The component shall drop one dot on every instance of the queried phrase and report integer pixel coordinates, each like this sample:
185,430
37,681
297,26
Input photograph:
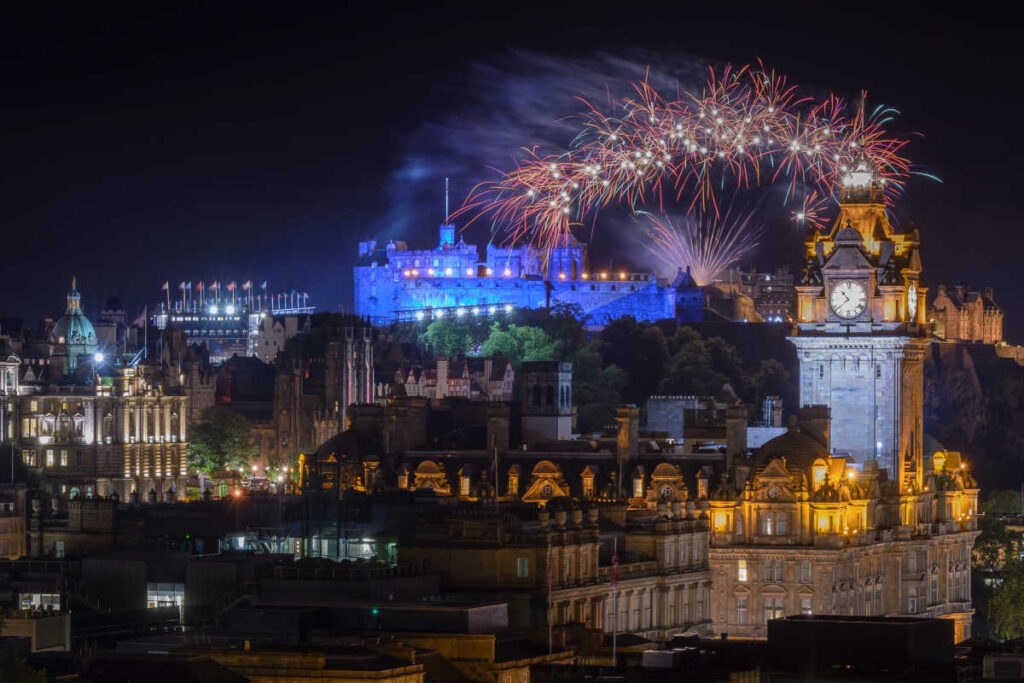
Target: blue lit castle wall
397,283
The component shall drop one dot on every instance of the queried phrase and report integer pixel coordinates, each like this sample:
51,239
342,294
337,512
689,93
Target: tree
770,379
520,343
1002,502
223,440
1006,608
448,338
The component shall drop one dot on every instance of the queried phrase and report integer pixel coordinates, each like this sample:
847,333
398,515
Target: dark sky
247,141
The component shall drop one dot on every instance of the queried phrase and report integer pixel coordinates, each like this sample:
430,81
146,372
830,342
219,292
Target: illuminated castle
396,283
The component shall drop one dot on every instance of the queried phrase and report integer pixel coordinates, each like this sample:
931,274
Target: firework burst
706,245
748,126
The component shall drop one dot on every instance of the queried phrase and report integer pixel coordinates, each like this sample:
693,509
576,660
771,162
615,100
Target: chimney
816,421
735,433
498,427
628,417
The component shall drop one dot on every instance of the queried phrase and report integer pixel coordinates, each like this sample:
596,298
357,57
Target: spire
74,298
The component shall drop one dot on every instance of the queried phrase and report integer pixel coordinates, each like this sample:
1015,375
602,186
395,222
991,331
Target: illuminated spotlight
492,310
213,310
415,272
604,276
508,308
460,312
438,314
230,310
469,271
419,315
448,272
430,272
490,271
407,273
98,357
476,311
507,272
561,276
585,276
622,276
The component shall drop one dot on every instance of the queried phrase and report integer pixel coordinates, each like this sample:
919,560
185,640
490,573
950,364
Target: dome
73,327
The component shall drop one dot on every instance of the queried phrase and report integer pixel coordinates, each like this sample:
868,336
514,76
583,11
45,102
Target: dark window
536,394
551,395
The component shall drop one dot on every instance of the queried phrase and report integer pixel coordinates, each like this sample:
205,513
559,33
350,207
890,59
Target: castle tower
861,331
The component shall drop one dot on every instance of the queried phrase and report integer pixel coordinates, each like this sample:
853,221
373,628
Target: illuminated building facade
845,514
967,315
119,435
226,324
862,331
396,283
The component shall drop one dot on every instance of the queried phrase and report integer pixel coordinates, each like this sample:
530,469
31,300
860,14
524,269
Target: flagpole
615,598
551,580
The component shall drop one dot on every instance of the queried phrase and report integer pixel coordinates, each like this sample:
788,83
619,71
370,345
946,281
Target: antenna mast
445,200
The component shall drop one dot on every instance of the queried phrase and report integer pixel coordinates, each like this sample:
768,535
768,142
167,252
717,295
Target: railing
346,573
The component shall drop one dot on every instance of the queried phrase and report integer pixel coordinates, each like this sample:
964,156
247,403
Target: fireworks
747,127
707,244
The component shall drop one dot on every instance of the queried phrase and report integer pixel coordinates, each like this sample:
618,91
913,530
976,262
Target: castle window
551,395
912,600
638,487
805,572
878,371
63,457
805,606
767,524
821,371
78,458
741,611
782,524
464,485
49,457
741,571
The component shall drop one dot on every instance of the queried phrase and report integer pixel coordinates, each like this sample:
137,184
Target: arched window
782,524
767,524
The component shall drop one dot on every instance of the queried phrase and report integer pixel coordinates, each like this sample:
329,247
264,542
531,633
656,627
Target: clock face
848,299
912,301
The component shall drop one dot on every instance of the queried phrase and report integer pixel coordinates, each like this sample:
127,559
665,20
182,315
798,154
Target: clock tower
860,332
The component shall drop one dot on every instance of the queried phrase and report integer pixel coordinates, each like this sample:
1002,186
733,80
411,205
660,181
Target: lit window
741,611
805,606
638,487
741,571
464,486
773,609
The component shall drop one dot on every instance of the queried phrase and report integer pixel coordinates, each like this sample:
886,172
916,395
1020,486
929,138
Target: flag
141,320
199,287
247,284
182,286
188,285
213,286
264,286
166,286
232,286
615,568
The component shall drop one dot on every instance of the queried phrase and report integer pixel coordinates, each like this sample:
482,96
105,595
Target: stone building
802,530
394,282
962,314
862,331
13,499
846,513
120,434
476,379
558,567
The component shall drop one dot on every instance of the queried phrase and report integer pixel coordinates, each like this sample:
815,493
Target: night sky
238,141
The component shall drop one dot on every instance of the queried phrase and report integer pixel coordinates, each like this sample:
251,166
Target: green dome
73,327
